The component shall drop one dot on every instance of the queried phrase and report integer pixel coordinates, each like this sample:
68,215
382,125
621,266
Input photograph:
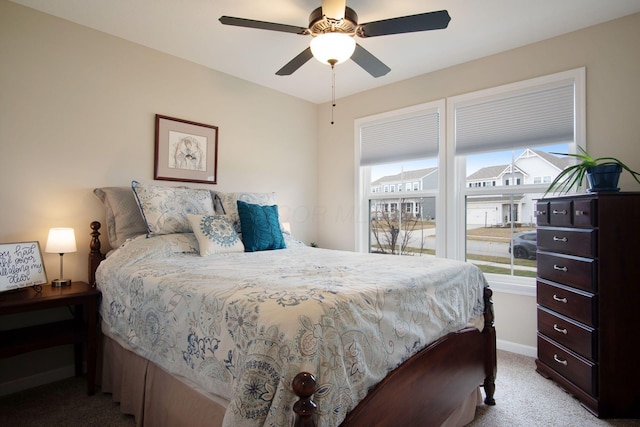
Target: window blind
400,139
537,117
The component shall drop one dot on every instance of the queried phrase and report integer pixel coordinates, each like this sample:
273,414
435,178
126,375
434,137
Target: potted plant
602,173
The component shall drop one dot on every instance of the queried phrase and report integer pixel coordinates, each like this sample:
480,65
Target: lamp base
61,282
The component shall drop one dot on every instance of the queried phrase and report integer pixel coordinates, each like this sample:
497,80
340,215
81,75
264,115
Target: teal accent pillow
260,227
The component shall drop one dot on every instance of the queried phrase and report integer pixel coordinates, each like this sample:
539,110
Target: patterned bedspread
242,325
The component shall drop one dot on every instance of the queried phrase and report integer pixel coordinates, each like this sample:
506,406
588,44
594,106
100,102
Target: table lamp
61,241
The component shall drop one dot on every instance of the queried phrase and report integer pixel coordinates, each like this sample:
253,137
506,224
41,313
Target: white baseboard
42,378
517,348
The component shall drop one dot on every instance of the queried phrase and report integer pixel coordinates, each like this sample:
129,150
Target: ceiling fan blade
295,63
368,62
262,25
406,24
334,9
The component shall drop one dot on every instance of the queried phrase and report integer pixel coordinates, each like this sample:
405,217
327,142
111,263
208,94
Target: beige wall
77,111
608,51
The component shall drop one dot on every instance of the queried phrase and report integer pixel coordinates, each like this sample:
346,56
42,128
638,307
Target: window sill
512,285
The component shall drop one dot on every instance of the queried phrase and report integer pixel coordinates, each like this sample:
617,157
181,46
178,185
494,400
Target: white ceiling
190,29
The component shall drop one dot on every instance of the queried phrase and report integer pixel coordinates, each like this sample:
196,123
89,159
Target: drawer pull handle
557,267
557,329
560,361
541,212
557,212
579,213
559,239
557,298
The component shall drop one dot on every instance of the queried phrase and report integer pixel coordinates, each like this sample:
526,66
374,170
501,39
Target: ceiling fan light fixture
332,48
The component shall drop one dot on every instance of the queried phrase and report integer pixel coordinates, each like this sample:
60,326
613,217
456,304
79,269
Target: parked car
524,245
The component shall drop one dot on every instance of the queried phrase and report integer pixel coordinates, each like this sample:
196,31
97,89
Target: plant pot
603,178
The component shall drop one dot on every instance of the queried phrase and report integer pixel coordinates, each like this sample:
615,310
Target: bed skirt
157,399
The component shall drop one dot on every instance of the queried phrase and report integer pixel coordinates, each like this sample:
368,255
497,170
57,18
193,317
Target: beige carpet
523,398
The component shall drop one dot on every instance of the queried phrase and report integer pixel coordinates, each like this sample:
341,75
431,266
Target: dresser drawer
572,303
560,213
542,213
576,337
579,371
567,270
572,241
584,213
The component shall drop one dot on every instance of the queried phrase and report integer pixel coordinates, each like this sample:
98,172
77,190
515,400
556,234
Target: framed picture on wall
21,265
185,151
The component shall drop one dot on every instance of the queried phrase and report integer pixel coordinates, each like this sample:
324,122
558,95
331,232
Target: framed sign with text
21,265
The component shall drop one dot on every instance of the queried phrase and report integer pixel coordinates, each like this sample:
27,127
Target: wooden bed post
95,256
491,362
304,385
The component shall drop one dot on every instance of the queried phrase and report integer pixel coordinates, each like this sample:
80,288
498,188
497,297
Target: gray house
400,188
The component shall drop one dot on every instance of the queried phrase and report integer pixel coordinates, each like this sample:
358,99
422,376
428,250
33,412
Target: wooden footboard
424,391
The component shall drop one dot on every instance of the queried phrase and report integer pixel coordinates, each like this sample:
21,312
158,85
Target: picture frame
21,265
185,151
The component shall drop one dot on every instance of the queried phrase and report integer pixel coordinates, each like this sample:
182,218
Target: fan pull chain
333,91
332,62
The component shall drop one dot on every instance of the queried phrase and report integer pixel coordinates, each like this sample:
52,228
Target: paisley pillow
260,227
215,234
226,204
165,209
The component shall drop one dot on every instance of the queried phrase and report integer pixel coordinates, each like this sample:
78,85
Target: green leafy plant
573,176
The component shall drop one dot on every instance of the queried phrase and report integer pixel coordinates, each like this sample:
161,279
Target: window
510,131
399,148
498,162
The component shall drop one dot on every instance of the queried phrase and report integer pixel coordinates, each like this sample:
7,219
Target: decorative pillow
226,204
165,209
260,227
215,234
123,217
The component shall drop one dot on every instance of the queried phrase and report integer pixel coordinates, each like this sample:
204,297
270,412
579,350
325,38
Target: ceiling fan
336,23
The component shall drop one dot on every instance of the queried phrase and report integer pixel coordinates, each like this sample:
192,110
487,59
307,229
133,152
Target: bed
269,331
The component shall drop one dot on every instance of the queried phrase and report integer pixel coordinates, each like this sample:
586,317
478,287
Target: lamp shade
61,241
332,47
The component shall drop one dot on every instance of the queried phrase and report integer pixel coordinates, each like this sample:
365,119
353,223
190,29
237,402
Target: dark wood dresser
588,294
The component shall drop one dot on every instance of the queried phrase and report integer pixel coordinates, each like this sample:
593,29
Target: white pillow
215,234
165,209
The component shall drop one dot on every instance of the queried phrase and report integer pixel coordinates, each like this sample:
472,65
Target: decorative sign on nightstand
21,265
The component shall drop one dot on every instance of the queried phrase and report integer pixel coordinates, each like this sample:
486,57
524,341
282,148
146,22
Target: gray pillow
124,219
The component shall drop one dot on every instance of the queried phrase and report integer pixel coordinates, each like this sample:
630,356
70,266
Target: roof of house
406,175
489,172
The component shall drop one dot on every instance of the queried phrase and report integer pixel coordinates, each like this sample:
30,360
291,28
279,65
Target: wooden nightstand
83,299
